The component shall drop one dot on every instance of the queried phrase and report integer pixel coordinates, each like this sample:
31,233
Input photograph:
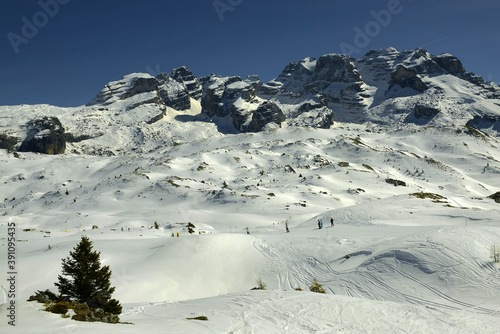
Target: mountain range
194,190
141,112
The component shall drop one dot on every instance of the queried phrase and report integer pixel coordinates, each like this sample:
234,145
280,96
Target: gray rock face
213,100
308,106
453,66
193,85
492,89
7,142
405,77
230,96
141,85
267,112
332,81
173,94
321,117
450,64
473,78
485,122
311,75
421,62
128,86
45,135
422,114
287,72
334,68
425,112
162,90
220,95
263,89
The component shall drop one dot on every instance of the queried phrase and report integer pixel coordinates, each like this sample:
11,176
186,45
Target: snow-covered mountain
408,169
141,113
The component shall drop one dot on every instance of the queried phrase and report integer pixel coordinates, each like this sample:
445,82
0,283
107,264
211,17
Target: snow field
393,263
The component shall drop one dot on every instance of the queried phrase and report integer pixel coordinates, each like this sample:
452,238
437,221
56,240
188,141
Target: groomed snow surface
392,263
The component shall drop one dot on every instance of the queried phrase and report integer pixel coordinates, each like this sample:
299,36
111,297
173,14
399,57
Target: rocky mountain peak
385,87
183,75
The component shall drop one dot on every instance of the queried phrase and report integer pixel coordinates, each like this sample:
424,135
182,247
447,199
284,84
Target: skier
331,221
319,224
248,232
286,227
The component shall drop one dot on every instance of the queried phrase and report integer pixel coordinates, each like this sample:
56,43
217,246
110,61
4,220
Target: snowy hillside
408,258
400,149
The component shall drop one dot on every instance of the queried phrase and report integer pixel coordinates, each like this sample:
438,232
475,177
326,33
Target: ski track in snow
294,266
393,263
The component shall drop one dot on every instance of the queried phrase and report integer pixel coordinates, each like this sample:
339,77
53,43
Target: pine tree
89,282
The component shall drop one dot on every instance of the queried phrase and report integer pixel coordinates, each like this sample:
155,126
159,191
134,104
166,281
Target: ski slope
392,262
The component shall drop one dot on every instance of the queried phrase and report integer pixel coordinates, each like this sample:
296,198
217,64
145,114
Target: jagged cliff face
140,112
383,86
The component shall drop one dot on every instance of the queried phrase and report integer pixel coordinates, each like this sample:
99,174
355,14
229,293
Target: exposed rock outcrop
485,122
321,117
453,66
8,142
495,196
216,100
267,112
230,96
193,85
450,64
141,85
425,112
172,93
45,135
334,68
405,77
311,75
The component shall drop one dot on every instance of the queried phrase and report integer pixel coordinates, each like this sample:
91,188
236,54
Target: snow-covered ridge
141,112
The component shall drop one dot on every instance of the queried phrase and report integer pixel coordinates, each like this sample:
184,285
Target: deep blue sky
88,43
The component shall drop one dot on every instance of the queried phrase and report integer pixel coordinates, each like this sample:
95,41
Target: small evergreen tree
88,282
